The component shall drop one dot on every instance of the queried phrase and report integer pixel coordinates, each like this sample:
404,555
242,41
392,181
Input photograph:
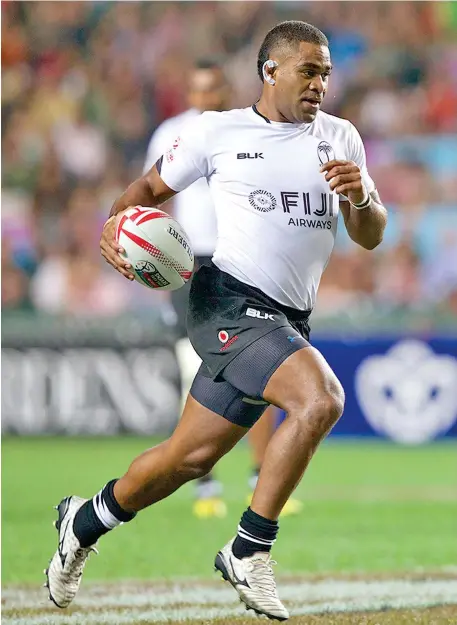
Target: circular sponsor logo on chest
263,201
325,152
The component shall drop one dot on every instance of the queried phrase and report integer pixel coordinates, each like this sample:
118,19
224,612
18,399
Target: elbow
373,243
373,238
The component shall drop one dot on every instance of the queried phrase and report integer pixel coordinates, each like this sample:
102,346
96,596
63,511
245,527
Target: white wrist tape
364,204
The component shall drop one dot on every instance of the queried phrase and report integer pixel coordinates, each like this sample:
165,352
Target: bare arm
149,190
365,227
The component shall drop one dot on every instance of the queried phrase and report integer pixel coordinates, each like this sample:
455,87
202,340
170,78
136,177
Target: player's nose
317,84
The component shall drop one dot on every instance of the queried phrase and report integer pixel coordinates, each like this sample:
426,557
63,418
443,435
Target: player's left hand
345,177
111,250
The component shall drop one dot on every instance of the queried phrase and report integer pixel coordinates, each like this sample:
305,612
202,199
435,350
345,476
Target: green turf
369,506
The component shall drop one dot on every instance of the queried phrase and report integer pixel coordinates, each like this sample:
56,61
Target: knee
197,464
331,403
323,406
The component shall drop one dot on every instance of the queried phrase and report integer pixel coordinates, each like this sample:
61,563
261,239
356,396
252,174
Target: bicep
161,191
185,161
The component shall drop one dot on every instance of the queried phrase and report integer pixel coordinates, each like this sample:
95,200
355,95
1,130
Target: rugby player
279,172
208,90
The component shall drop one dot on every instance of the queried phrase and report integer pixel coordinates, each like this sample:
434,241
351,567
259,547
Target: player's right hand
111,250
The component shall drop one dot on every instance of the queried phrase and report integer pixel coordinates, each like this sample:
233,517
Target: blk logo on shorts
258,314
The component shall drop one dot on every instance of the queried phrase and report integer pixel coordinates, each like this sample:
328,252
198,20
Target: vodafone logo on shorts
223,336
226,340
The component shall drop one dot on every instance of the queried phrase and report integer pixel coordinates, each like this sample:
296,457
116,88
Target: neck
266,108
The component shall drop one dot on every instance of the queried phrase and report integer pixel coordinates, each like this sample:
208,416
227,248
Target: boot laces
263,575
79,561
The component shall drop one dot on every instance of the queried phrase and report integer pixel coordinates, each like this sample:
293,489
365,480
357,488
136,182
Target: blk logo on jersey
325,152
243,155
263,201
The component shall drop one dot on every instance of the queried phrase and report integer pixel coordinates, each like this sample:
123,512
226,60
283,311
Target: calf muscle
304,386
201,438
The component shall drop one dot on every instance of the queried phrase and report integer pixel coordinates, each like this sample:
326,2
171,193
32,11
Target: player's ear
268,71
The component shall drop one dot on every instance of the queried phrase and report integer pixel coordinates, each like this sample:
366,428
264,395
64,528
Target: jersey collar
286,125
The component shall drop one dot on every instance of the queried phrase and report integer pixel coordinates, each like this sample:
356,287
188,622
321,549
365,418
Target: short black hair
208,63
290,32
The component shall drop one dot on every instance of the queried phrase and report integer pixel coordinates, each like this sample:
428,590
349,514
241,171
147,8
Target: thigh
203,433
251,370
224,399
303,377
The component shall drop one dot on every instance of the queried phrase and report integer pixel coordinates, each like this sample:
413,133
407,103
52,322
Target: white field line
325,590
208,603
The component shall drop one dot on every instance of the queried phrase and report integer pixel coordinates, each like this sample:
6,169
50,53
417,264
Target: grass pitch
373,511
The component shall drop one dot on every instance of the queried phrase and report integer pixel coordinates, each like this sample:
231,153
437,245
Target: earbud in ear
269,79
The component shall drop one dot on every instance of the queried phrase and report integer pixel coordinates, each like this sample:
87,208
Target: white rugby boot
66,567
253,580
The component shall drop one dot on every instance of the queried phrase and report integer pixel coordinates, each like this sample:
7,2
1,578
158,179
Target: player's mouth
312,103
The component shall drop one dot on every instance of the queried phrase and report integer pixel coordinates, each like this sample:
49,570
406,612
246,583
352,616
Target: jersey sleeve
356,153
188,156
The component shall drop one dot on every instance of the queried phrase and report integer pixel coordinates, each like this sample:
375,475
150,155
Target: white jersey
193,208
276,215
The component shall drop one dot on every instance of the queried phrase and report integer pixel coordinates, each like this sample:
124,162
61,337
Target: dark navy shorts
180,299
242,337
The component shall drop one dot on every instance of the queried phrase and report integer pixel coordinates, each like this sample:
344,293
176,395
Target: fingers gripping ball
157,248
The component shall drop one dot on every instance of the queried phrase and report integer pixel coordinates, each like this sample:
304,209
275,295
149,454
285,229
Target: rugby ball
157,248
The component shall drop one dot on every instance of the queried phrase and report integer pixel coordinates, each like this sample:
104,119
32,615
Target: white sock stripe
242,533
253,537
258,541
103,512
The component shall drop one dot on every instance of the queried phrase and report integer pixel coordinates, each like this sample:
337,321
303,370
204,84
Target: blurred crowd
84,84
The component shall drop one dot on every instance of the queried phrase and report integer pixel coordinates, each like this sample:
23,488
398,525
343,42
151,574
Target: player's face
302,82
208,90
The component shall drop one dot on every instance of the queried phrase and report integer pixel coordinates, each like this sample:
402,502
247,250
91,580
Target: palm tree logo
325,152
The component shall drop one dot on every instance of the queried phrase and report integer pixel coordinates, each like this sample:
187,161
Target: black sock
255,533
99,515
